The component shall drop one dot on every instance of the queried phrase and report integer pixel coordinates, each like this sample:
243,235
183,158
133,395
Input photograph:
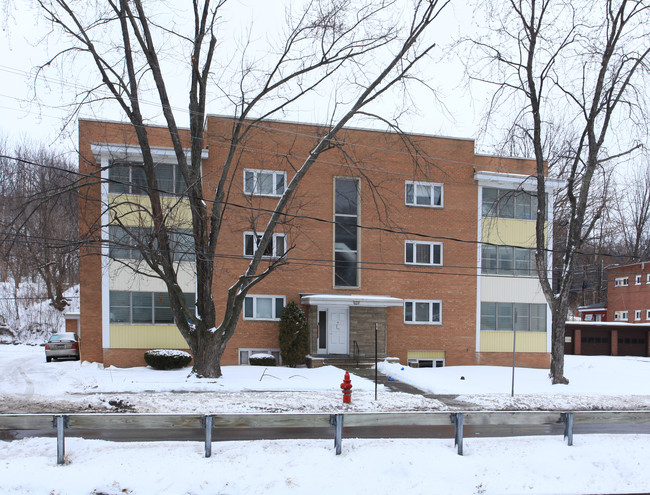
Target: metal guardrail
210,422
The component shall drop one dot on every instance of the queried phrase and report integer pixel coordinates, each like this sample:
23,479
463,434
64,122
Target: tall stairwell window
346,235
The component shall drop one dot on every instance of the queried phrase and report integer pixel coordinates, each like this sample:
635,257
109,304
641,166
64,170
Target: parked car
62,345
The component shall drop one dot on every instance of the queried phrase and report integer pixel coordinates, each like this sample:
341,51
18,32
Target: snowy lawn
595,464
29,384
531,465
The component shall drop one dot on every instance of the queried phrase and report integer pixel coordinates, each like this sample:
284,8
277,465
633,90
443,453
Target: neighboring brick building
451,289
628,293
624,325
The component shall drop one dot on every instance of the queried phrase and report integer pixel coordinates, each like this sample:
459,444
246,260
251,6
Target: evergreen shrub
167,359
294,337
261,360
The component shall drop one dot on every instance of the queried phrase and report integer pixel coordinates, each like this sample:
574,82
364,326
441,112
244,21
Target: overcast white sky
26,41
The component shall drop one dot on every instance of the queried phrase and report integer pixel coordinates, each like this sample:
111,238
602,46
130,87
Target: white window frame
432,185
255,298
621,282
274,244
637,280
648,279
637,315
647,314
413,302
620,315
431,246
256,173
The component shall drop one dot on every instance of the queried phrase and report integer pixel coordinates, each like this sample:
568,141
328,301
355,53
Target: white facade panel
511,290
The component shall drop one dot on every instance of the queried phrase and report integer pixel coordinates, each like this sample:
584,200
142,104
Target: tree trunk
558,322
207,349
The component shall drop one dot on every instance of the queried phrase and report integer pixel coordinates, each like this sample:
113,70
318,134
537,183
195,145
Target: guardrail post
60,423
457,419
337,421
567,419
206,422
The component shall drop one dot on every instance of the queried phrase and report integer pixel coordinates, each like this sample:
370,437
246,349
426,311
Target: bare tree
632,214
327,41
581,63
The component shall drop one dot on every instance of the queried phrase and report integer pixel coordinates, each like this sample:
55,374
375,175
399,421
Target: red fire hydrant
346,386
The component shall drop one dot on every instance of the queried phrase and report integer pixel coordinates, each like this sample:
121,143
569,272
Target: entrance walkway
397,386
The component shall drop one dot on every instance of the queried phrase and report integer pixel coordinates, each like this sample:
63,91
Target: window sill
438,207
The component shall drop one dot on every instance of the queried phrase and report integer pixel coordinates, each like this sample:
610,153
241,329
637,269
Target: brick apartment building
442,263
622,326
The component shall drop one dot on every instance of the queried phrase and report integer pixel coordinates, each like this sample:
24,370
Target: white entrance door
338,330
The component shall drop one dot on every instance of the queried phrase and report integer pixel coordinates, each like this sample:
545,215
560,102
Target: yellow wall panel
146,336
502,341
509,231
426,354
134,210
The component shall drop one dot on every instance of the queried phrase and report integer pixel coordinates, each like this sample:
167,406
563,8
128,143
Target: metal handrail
357,352
208,422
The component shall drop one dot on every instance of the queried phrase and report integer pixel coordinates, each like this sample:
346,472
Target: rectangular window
346,233
507,260
513,316
424,194
621,282
637,280
275,249
508,203
263,307
264,182
143,307
129,178
423,253
637,315
128,243
647,281
620,315
647,314
423,312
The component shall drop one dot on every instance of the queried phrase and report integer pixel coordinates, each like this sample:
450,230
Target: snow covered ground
595,464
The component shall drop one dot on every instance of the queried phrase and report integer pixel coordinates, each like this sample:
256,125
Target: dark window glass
165,177
521,314
346,233
141,309
490,196
410,194
409,252
423,253
279,306
504,316
138,180
346,197
408,311
322,329
162,309
489,259
248,307
120,307
488,316
506,262
119,179
345,269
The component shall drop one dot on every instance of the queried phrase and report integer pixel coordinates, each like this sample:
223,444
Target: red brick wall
631,298
383,163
